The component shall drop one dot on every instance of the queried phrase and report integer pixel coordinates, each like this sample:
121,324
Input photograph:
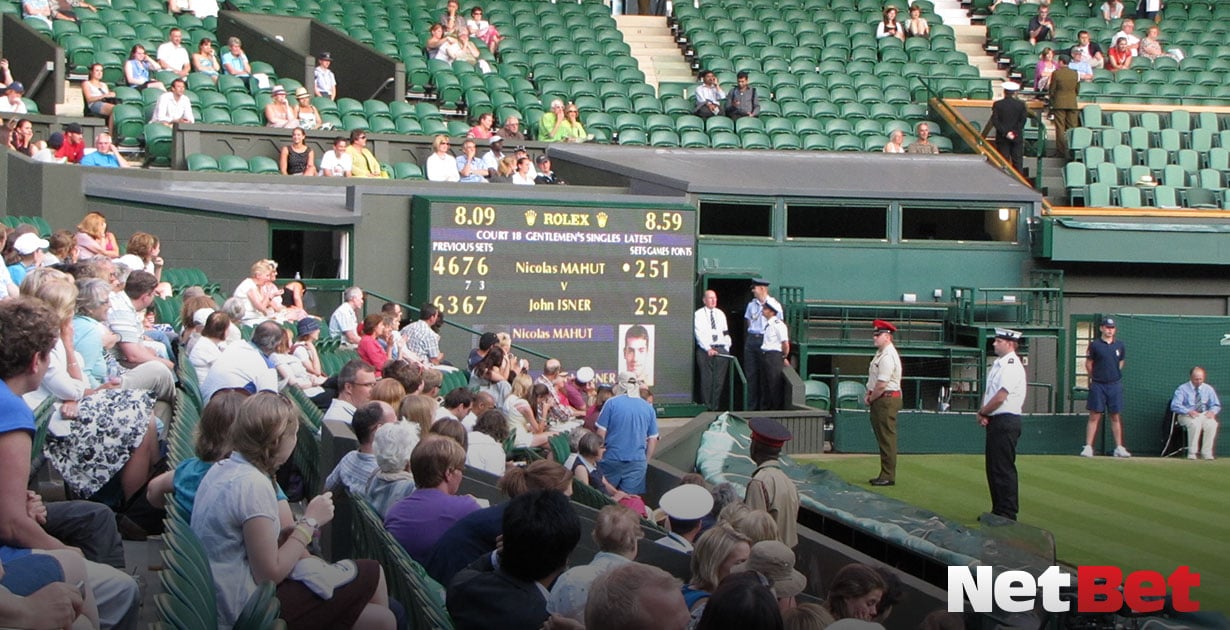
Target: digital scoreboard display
604,286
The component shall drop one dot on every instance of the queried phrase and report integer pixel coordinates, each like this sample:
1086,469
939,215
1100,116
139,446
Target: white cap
585,374
29,243
688,502
200,315
773,304
1011,86
628,383
1009,334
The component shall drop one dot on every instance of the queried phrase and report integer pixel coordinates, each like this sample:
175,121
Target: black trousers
772,379
713,371
1013,151
752,358
1003,431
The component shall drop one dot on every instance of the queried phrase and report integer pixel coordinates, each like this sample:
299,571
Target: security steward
712,350
884,399
1000,414
770,489
776,352
685,506
753,316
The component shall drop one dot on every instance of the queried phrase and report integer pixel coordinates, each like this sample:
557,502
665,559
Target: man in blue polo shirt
1104,365
753,356
630,427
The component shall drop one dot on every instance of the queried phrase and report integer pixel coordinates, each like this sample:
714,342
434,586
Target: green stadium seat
632,136
724,139
263,165
129,122
1075,181
200,162
158,139
407,170
693,139
1098,195
663,138
232,164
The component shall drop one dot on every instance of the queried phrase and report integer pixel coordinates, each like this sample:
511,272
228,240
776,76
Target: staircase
654,49
970,39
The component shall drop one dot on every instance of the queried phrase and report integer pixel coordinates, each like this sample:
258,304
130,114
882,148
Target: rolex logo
530,217
602,216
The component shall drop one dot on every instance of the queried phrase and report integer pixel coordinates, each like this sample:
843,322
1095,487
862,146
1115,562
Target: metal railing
415,310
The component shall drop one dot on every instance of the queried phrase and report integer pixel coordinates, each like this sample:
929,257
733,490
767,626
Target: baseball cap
16,86
628,383
585,374
28,243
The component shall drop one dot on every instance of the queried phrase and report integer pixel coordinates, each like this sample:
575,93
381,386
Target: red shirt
74,151
372,354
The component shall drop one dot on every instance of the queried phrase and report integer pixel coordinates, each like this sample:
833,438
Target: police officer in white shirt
776,353
712,351
1000,414
684,506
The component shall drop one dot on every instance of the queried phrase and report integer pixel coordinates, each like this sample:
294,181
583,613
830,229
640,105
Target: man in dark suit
1008,121
1064,88
540,532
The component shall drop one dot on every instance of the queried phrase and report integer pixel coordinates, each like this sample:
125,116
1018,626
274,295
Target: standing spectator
106,154
137,70
1128,31
483,30
173,56
205,60
753,316
470,167
1149,10
884,399
742,100
917,25
441,165
1008,116
12,103
235,60
173,106
1104,365
629,425
344,322
309,117
73,148
1064,88
770,489
1120,55
420,519
713,345
889,26
363,162
324,83
708,95
279,112
1041,26
1196,405
297,158
512,129
923,143
1043,69
99,99
1000,415
336,163
482,128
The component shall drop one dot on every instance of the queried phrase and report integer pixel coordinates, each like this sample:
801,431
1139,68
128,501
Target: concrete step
635,21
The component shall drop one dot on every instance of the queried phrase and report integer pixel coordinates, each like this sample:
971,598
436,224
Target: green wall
929,432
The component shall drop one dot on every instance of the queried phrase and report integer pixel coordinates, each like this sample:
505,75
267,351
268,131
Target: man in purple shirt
419,520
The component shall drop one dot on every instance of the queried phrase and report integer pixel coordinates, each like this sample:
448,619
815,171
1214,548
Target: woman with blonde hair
93,239
522,420
236,518
389,390
252,292
418,410
441,166
757,525
717,551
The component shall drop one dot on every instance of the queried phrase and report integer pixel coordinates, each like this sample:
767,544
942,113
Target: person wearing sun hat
775,561
685,505
308,116
769,488
1000,414
1008,116
884,399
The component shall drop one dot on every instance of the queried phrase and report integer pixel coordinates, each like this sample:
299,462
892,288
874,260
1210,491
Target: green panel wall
929,432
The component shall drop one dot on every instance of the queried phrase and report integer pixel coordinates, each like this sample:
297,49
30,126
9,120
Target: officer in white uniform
775,350
685,506
1000,414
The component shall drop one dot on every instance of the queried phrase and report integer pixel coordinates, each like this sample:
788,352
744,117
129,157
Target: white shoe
1087,451
1207,456
1121,452
1192,456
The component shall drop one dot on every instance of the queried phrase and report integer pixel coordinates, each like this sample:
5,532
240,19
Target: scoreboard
609,286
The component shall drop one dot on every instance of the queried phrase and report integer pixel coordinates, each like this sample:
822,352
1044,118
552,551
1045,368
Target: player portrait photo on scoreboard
636,351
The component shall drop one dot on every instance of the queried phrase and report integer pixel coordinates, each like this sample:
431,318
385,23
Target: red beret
880,324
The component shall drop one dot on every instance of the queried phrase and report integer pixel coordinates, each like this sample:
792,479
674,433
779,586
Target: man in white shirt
246,364
173,56
709,96
337,163
344,322
354,389
12,103
712,350
1126,31
1000,414
173,106
492,157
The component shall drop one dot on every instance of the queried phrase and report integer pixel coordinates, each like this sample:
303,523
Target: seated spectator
370,350
309,117
1091,52
486,443
138,70
297,158
255,294
923,144
357,467
1041,27
684,505
106,154
491,159
504,170
451,19
292,371
491,375
524,175
73,148
354,388
61,248
457,405
742,100
511,130
55,142
133,348
419,410
584,465
6,77
418,520
483,30
482,128
12,103
235,60
144,253
636,596
210,344
889,26
773,560
1127,31
529,429
40,10
279,112
99,99
521,152
741,601
421,336
392,445
1196,405
246,364
337,163
236,518
1111,10
552,122
917,25
363,162
29,250
1044,68
344,322
854,593
36,590
441,166
173,106
324,83
1120,55
717,552
617,531
1080,65
756,524
540,531
173,56
21,137
205,60
470,167
458,47
545,175
895,141
1151,45
435,40
809,616
708,95
304,349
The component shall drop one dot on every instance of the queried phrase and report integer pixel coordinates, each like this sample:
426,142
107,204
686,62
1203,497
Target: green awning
1077,224
1169,243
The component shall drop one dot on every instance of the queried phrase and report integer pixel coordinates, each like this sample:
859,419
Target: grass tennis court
1142,513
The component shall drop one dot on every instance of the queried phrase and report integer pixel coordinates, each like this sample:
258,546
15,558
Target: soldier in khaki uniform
884,399
770,489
